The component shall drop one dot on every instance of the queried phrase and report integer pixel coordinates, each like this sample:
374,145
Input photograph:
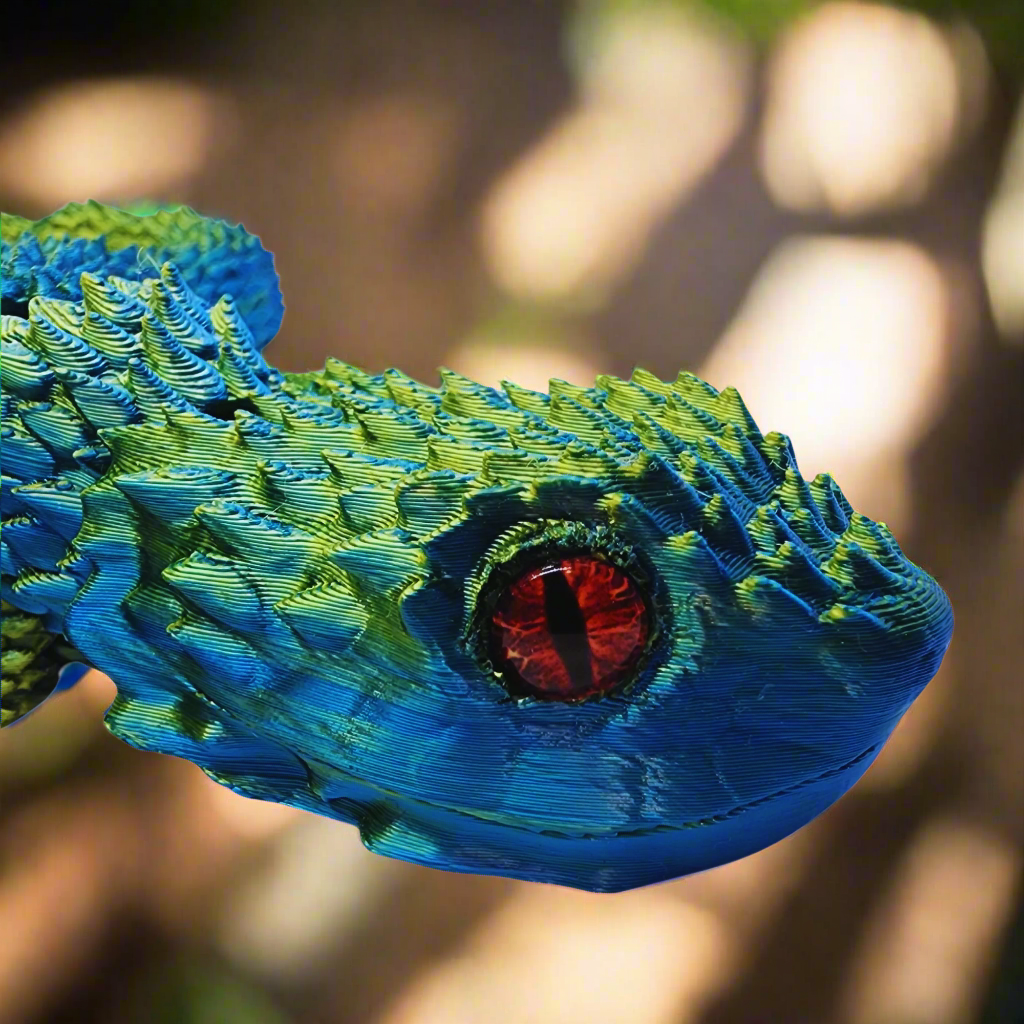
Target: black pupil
568,628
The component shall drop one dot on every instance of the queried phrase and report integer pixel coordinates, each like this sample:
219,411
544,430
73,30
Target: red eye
569,629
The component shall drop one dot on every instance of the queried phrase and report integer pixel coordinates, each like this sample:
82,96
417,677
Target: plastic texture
290,577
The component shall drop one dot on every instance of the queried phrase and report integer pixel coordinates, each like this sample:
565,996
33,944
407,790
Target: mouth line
654,829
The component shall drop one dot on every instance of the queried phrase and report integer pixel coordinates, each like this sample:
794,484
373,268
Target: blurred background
820,203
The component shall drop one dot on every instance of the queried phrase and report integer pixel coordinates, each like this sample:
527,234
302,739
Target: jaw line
654,829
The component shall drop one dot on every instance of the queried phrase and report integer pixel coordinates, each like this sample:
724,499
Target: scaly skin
289,577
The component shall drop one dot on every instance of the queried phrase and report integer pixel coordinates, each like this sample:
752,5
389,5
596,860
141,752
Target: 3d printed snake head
600,637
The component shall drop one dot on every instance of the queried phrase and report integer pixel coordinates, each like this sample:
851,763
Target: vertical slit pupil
568,629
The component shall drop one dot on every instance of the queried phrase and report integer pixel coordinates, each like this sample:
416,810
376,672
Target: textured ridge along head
47,257
600,637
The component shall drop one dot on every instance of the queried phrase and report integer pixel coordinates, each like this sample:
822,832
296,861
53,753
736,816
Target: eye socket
568,629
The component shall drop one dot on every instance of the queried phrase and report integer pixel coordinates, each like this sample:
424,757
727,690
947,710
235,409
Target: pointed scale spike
45,592
106,302
59,427
656,437
541,439
173,283
239,377
690,565
823,489
791,567
232,330
589,398
352,469
636,519
34,544
369,507
411,394
62,349
811,530
794,493
535,402
428,500
138,290
345,373
734,410
24,372
382,561
56,502
393,435
723,463
173,494
180,324
877,540
227,665
100,400
458,456
777,451
570,415
688,422
857,570
13,328
112,341
651,382
463,428
218,587
723,527
707,482
768,530
742,448
22,456
461,396
696,391
281,551
627,398
151,608
64,315
194,379
307,497
153,394
328,616
771,603
803,515
670,497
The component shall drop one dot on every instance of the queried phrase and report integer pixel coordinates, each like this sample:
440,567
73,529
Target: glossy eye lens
568,629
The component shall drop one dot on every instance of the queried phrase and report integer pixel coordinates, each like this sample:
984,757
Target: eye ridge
521,551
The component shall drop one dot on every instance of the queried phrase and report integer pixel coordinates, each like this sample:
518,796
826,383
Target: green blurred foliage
187,992
999,22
